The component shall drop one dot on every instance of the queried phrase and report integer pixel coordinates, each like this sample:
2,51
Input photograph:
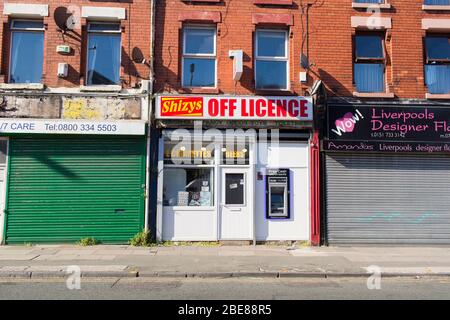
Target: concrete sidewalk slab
222,261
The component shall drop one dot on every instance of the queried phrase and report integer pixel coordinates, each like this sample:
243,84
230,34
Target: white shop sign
39,126
281,108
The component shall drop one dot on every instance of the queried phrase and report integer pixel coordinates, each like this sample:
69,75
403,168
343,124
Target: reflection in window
437,67
234,189
190,187
369,63
271,61
179,153
104,54
199,57
27,51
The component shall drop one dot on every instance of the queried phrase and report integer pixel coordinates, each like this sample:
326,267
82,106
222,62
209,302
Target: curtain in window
369,77
437,78
27,57
437,2
368,1
104,59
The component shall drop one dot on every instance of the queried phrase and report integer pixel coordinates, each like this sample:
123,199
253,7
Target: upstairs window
104,54
271,61
199,57
437,2
369,1
437,64
27,51
369,64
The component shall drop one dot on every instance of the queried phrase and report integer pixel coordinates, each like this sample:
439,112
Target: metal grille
64,189
389,199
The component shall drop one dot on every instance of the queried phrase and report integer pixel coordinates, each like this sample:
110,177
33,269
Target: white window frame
272,58
89,32
199,55
13,29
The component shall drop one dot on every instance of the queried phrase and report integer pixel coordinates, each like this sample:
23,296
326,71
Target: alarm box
278,194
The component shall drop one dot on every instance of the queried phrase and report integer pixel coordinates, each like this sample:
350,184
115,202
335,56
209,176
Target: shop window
199,57
437,2
437,64
235,153
104,54
188,187
183,153
27,51
369,65
271,60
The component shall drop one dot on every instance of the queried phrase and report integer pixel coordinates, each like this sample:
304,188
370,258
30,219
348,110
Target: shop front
227,172
64,180
387,174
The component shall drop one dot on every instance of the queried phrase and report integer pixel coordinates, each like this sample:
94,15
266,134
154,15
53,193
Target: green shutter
66,188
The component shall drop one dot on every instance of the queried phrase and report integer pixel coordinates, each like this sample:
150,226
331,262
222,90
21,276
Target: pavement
43,261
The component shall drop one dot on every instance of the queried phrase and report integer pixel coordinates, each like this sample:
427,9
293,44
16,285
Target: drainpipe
149,116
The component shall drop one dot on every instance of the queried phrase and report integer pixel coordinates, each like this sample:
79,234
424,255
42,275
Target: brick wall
330,44
136,34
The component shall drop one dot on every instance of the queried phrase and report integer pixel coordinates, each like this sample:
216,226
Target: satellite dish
304,61
61,15
137,56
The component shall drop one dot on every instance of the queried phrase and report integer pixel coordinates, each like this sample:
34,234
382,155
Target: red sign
235,107
181,107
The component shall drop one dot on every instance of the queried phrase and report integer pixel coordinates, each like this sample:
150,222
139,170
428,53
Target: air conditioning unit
63,49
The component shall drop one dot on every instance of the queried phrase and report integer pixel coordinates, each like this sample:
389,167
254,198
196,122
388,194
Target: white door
3,168
236,203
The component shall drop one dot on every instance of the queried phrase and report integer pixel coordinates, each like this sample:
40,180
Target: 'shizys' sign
234,108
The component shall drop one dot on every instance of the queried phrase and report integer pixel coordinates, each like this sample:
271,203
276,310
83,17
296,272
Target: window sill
200,90
384,95
274,92
431,96
22,86
356,5
106,88
427,7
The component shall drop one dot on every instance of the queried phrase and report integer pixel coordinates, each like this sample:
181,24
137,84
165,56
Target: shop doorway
3,168
236,203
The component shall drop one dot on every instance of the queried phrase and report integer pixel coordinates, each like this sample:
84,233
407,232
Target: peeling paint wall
69,107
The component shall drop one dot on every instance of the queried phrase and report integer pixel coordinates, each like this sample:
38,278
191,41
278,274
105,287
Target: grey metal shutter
387,199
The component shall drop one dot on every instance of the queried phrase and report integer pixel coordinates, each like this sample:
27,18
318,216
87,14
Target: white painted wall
294,156
193,224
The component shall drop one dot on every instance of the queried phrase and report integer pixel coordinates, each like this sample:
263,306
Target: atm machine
277,194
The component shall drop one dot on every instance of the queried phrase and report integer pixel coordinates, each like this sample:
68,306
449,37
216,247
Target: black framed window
437,64
369,63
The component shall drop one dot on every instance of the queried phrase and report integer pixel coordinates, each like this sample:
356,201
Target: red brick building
377,60
75,81
238,62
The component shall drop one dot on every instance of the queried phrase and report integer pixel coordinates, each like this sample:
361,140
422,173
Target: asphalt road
233,289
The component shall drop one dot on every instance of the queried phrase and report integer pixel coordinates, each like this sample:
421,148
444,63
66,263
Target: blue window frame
27,51
199,57
437,64
369,66
437,2
369,1
103,54
271,60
